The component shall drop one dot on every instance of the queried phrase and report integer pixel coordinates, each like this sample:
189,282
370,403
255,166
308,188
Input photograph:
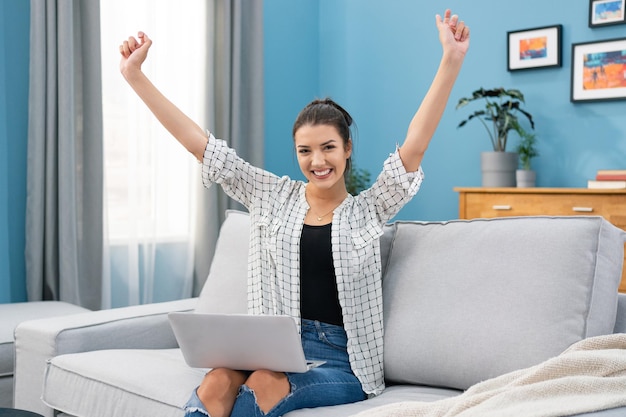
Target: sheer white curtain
151,180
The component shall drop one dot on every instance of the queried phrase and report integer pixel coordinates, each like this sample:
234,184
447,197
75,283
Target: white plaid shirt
277,207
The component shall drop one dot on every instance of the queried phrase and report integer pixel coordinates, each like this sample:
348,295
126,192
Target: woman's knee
220,382
269,388
264,378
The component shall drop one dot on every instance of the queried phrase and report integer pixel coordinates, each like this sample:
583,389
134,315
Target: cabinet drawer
501,204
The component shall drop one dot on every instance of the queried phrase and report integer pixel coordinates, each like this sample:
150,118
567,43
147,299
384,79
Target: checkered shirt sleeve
240,180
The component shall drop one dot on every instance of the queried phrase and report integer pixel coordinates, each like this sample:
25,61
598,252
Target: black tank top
319,299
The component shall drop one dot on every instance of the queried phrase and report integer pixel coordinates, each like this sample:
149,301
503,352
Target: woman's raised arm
454,38
185,130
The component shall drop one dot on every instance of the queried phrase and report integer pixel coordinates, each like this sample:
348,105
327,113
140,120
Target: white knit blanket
589,376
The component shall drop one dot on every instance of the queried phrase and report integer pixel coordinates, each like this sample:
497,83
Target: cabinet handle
583,209
502,207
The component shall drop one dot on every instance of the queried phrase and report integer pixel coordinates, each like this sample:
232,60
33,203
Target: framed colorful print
599,70
606,12
534,48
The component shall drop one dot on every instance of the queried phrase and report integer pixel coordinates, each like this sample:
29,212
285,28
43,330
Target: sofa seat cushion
466,301
129,382
392,394
147,383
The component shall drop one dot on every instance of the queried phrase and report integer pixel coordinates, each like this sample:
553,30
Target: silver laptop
240,341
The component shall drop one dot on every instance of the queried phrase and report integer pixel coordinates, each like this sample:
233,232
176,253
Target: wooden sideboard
476,202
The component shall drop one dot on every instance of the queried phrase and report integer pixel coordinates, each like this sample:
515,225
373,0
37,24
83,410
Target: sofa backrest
470,300
225,289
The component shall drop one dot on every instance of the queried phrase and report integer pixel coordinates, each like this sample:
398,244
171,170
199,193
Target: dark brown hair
326,112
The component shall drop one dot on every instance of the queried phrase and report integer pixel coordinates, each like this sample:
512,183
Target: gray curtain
236,113
64,185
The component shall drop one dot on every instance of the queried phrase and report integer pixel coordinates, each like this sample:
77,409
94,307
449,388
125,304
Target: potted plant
357,179
525,176
499,116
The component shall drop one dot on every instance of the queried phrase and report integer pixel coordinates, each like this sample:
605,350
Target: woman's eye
303,151
330,147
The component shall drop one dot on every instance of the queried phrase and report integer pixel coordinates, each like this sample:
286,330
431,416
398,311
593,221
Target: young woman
314,251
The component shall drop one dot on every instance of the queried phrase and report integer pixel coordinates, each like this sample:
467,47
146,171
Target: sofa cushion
137,382
113,382
225,290
470,300
391,395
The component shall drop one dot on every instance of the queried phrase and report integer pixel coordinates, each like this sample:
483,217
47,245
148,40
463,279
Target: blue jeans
330,384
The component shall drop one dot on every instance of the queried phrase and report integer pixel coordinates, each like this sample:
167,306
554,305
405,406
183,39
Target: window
149,178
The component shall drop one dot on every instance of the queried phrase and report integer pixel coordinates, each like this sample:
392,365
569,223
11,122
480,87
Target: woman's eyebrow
321,144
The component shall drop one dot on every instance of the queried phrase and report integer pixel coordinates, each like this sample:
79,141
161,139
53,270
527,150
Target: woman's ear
348,148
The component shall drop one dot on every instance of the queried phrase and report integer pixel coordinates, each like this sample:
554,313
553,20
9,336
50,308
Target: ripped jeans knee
194,407
246,404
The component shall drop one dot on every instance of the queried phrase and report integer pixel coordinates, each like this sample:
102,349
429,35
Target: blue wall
14,36
377,58
291,68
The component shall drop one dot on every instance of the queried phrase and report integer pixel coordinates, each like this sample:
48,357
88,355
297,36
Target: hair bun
343,111
325,111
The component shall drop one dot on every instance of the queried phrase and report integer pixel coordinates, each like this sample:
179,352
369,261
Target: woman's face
322,155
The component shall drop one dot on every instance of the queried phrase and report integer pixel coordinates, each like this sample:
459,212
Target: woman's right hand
186,131
134,53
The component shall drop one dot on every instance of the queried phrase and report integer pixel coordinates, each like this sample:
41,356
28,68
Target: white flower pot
526,178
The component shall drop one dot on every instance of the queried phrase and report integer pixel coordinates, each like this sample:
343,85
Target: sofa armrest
37,341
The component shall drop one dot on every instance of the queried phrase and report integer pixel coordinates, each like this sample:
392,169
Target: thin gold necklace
319,218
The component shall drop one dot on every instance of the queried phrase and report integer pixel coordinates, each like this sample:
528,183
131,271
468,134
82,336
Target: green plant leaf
501,109
357,180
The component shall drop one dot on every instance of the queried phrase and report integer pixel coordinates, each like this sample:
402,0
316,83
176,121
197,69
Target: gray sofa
464,301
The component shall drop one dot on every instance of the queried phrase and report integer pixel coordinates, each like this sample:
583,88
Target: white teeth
322,173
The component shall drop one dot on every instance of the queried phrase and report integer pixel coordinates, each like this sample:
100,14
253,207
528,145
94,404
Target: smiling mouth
323,173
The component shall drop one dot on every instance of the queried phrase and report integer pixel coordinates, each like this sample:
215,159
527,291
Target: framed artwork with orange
534,48
599,70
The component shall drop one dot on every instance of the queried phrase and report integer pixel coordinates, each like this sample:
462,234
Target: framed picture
534,48
606,12
599,70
